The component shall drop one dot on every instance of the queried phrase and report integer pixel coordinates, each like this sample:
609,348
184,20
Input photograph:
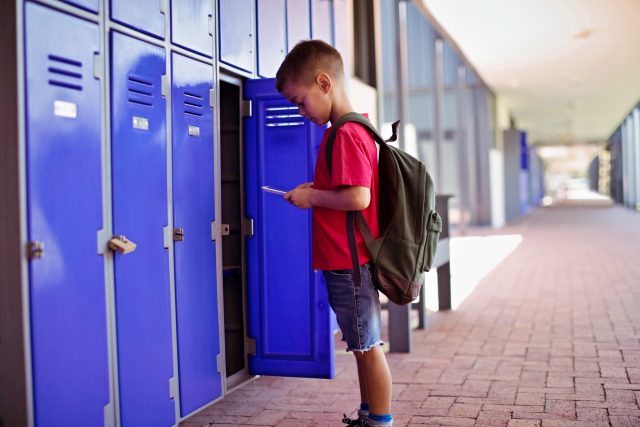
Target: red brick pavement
549,338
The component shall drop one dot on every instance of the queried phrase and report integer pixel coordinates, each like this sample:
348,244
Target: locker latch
225,229
178,234
247,227
121,244
247,108
35,250
250,345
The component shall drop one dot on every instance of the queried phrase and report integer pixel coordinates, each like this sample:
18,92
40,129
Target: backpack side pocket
434,227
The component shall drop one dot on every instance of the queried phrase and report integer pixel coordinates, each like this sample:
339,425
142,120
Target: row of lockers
77,300
279,24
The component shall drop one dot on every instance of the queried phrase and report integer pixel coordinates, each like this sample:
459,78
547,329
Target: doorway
232,214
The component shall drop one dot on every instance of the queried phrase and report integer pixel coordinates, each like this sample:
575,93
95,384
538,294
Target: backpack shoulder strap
356,217
362,120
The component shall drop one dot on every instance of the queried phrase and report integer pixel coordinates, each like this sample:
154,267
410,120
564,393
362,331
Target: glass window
389,53
364,46
451,132
421,81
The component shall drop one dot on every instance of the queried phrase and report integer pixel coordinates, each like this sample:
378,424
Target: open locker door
288,311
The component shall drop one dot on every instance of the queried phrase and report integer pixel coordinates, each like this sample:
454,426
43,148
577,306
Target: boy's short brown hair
306,60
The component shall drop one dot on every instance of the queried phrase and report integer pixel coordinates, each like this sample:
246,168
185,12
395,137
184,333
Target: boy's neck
340,106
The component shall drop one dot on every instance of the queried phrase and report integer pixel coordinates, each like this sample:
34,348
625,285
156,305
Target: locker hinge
97,65
168,236
178,234
163,6
211,23
165,85
250,345
219,362
173,388
109,416
103,238
212,98
35,250
247,227
247,108
214,230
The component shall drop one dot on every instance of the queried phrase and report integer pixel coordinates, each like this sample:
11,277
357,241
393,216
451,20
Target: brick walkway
549,338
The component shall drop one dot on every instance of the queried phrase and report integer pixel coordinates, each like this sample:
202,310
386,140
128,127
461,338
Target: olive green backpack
409,224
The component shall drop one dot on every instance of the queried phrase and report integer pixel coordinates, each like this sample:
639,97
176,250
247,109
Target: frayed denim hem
362,350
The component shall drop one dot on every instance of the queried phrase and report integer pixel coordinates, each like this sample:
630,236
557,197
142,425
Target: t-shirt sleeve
351,164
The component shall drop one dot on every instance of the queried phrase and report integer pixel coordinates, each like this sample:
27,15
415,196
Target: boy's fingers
289,197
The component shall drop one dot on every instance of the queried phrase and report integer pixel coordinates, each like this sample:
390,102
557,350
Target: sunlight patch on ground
472,259
585,194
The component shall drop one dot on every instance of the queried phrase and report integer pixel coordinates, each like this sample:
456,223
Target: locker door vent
282,116
140,91
193,104
65,72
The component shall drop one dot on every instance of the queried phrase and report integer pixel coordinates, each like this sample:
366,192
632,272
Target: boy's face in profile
314,101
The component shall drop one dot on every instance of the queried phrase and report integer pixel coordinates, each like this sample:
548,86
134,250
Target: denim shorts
357,308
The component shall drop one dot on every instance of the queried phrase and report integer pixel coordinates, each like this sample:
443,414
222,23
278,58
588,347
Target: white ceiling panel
569,70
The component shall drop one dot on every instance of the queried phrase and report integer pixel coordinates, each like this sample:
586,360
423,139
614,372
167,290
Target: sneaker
353,423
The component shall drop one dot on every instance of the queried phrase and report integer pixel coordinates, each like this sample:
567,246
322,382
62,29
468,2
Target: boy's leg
363,387
357,310
377,379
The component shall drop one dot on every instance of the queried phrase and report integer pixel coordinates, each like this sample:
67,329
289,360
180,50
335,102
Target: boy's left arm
351,173
347,198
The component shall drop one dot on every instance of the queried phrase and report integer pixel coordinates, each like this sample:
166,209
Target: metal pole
438,125
402,66
464,165
400,316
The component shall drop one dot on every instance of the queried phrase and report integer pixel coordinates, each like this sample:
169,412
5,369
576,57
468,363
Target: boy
311,77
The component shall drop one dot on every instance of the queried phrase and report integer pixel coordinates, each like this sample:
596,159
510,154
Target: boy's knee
369,355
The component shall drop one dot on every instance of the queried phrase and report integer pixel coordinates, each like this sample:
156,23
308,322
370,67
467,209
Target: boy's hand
301,195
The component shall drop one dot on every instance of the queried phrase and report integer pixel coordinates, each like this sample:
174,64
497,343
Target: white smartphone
273,190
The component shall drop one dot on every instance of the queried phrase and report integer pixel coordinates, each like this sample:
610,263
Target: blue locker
236,33
322,20
146,16
90,5
191,25
64,211
139,181
298,22
193,212
288,310
272,37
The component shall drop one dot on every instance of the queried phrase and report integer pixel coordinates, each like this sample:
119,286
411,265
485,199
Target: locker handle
121,244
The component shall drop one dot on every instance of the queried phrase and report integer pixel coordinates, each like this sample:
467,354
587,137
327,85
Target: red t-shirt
355,163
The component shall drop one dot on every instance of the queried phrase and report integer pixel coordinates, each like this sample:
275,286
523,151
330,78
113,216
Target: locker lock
121,244
35,250
226,229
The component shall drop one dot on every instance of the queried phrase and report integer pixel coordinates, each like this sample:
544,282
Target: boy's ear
324,81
